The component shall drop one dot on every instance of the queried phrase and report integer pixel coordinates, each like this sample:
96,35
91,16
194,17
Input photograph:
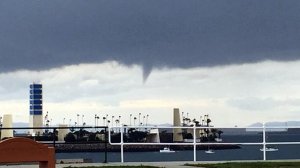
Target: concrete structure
153,136
177,132
62,132
7,123
36,108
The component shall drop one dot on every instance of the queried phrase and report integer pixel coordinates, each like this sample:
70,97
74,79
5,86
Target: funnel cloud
39,35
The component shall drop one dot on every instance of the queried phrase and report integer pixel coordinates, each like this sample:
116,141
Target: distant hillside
277,124
20,124
274,124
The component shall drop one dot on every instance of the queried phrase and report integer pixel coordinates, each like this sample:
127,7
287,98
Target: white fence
195,143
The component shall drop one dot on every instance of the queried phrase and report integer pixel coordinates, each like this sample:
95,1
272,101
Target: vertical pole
53,136
105,154
194,136
122,150
264,142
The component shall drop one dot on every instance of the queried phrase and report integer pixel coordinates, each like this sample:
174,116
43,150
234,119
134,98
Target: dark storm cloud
174,33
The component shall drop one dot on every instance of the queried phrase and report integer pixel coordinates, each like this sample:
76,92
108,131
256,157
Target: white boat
218,140
209,151
269,149
166,150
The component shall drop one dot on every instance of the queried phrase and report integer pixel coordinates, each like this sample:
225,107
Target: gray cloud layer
175,33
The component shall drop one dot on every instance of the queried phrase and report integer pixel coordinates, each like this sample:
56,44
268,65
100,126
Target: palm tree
139,117
95,120
134,121
219,133
194,120
208,121
82,119
104,118
112,119
130,118
147,119
117,122
78,118
200,120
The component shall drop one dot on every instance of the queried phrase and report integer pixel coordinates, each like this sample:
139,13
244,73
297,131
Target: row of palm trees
140,120
206,134
110,120
204,120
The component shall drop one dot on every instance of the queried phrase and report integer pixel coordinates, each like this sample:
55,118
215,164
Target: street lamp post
147,119
134,121
104,118
82,119
139,118
78,119
130,119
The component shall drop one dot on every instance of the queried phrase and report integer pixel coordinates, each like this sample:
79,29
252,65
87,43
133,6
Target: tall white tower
36,108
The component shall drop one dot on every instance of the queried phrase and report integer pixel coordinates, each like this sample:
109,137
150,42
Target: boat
269,149
218,140
166,150
209,151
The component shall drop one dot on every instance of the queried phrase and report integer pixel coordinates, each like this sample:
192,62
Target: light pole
95,121
200,119
82,119
112,120
134,121
130,118
139,118
78,119
46,117
104,118
147,119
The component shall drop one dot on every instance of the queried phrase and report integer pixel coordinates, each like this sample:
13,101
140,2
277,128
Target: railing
193,144
262,129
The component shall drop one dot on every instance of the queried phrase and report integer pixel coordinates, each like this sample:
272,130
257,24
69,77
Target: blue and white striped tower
36,107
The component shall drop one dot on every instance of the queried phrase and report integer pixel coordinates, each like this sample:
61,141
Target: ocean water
246,152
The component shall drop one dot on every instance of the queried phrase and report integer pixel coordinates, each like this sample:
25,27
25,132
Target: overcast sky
235,60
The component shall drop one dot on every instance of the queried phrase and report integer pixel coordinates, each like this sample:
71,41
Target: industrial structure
36,108
177,132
